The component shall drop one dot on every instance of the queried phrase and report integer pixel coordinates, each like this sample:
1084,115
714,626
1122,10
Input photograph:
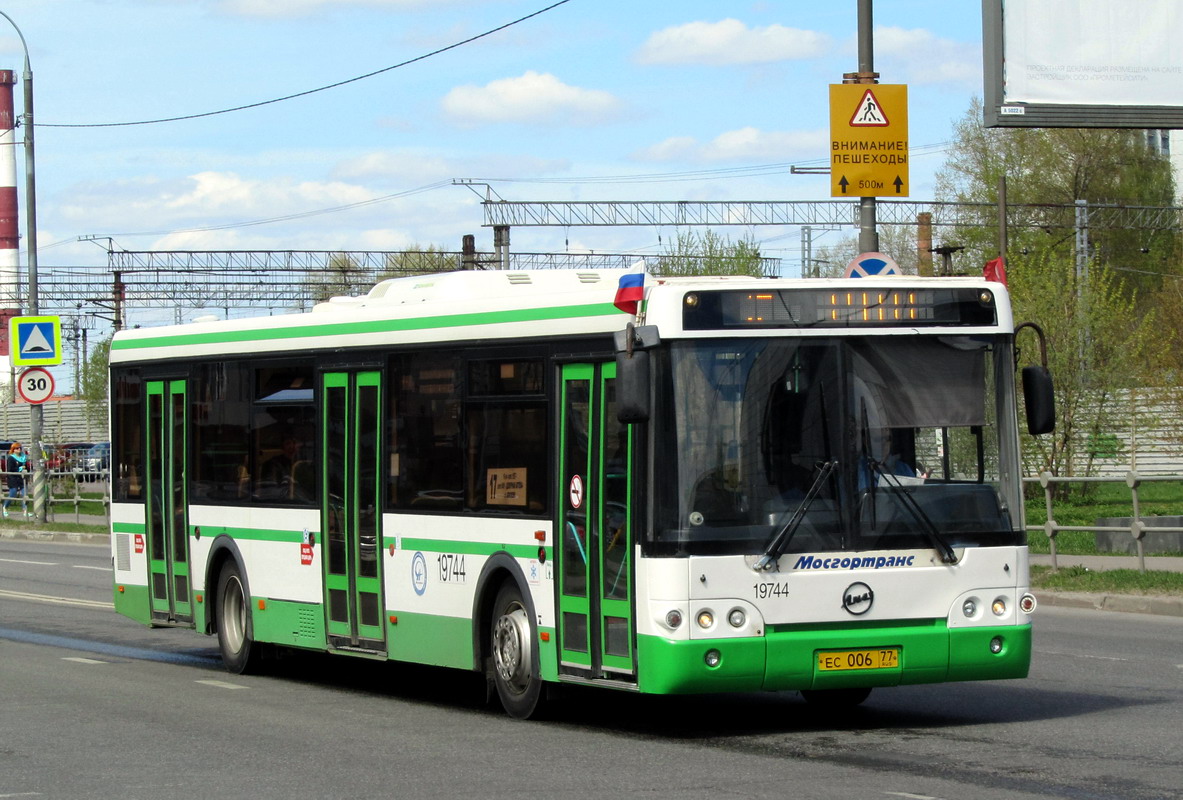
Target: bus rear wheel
239,652
513,656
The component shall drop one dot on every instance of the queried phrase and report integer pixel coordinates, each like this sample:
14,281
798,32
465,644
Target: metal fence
1137,527
64,489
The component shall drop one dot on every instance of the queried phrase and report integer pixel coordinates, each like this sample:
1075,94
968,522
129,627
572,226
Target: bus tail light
1027,603
673,619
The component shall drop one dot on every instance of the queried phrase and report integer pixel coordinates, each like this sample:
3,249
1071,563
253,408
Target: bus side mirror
1038,395
632,372
1040,400
632,387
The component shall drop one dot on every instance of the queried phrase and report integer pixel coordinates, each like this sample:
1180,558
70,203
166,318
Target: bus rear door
168,514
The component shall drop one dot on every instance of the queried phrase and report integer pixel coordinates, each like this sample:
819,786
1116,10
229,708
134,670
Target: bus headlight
996,645
999,606
712,658
705,619
737,617
970,608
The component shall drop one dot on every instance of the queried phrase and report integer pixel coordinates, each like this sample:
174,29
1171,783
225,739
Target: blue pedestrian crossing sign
35,341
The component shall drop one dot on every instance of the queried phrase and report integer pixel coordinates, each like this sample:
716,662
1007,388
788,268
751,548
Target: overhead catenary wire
307,92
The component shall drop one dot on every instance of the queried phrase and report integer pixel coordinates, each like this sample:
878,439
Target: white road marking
222,684
35,563
1082,655
81,660
61,601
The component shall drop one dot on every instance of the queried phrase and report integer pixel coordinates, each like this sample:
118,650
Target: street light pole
36,463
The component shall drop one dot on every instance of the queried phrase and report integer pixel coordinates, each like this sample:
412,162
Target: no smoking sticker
575,491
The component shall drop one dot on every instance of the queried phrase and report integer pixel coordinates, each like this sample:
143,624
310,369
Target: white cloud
731,42
410,168
741,144
219,193
920,57
534,98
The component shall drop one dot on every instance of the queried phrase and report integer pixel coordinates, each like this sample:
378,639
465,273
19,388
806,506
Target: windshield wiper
927,527
780,540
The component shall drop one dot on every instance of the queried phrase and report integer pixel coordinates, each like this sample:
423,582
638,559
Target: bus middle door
351,522
594,538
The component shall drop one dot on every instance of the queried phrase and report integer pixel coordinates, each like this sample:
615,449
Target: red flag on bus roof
995,270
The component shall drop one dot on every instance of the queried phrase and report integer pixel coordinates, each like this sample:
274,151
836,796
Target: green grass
1104,500
1113,581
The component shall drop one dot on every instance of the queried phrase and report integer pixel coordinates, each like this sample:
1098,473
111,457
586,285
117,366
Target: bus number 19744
770,589
451,568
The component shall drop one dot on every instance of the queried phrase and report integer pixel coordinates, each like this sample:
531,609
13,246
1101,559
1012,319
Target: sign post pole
37,342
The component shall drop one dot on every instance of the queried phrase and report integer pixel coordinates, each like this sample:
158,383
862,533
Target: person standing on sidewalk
14,465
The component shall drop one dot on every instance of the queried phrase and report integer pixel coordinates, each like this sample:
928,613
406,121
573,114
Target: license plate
878,658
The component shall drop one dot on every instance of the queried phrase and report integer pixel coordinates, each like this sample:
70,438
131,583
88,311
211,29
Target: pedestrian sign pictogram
868,140
869,113
35,341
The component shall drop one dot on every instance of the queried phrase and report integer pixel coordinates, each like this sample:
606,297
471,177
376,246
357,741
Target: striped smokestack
9,238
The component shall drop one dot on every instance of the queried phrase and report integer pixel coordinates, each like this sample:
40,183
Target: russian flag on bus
631,290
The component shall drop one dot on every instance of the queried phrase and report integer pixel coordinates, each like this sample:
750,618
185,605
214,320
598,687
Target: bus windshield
837,444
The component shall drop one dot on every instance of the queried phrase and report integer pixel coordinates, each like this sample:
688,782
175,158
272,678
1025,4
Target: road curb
54,536
1160,605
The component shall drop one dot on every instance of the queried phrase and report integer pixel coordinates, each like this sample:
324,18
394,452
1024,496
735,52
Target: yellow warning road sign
868,140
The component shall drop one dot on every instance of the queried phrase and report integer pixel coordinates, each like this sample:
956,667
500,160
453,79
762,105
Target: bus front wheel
239,653
512,655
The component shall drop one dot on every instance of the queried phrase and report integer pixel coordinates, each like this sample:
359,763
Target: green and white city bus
756,484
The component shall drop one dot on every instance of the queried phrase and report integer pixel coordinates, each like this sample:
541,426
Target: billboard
1083,63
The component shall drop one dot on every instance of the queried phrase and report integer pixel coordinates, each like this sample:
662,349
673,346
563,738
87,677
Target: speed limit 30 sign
35,385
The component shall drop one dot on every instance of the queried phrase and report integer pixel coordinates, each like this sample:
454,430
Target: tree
419,260
709,253
1062,166
1100,308
1100,351
92,383
343,276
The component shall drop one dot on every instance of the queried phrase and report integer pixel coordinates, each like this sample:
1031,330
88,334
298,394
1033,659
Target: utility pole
36,464
868,237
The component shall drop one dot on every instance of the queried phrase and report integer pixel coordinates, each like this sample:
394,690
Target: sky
620,100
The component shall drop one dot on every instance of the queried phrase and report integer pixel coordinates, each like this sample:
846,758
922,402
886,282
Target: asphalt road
93,705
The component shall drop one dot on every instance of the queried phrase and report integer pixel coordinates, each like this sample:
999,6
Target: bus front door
168,515
594,546
351,518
